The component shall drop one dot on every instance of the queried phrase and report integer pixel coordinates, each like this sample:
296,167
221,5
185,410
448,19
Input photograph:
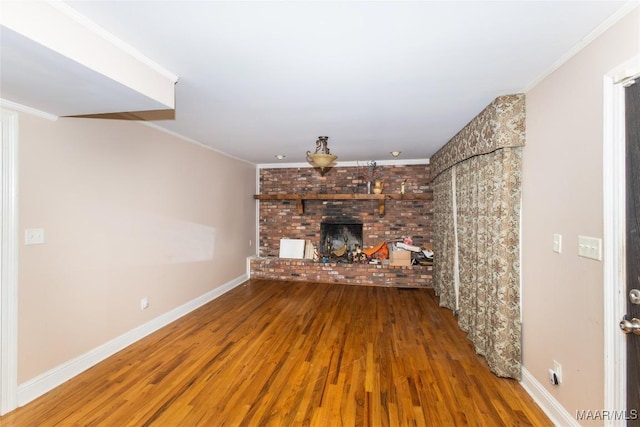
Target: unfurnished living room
284,213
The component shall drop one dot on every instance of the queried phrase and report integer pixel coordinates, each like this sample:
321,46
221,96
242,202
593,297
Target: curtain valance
501,124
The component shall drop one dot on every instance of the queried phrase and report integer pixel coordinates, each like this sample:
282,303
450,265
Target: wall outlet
34,236
557,243
144,303
557,368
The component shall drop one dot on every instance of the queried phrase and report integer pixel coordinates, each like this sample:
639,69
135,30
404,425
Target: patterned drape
488,201
477,231
444,240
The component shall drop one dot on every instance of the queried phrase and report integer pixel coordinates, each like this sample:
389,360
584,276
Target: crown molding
628,7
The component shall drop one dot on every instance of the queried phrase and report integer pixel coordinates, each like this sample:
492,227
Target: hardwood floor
272,353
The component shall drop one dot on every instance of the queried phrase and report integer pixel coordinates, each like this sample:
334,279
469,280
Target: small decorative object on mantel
377,188
368,174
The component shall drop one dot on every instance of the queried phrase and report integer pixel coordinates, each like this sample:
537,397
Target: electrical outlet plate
590,247
34,236
144,303
557,368
557,243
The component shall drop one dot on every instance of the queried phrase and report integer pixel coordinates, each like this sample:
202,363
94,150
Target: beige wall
562,193
128,212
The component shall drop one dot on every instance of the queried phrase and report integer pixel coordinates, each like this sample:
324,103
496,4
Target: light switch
34,236
590,247
557,243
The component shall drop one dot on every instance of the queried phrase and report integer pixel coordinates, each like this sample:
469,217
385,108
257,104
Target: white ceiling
258,79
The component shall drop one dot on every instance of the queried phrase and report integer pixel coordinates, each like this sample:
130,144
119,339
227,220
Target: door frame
9,264
615,369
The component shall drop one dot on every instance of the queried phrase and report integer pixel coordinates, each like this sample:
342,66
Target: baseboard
554,410
41,384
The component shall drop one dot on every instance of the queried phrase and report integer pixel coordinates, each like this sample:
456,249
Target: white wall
562,193
128,212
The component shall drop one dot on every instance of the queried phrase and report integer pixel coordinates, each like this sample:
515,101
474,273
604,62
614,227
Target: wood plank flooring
272,353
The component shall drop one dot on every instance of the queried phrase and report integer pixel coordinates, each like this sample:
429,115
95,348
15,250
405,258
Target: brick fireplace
357,219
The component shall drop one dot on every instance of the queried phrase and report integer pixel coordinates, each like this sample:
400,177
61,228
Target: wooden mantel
300,198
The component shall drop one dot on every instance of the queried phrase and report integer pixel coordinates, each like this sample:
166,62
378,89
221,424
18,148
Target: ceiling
262,78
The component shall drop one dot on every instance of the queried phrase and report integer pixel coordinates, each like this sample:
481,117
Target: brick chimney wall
279,218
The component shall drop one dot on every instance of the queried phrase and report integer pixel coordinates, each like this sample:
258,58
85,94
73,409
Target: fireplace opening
340,237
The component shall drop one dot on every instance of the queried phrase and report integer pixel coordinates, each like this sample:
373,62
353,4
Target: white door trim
615,369
9,264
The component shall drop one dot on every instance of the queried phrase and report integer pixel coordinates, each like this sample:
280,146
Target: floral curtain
488,201
443,240
476,235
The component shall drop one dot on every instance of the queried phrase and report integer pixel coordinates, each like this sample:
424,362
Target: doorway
618,382
631,321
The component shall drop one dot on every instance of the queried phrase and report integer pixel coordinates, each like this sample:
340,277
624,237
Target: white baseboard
554,410
41,384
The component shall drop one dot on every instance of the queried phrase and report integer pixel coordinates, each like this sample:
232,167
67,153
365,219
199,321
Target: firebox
339,236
